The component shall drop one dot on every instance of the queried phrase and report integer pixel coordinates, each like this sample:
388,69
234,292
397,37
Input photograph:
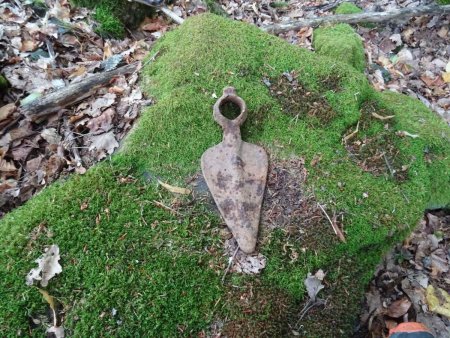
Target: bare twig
382,118
72,143
230,263
336,229
163,206
403,13
349,136
391,171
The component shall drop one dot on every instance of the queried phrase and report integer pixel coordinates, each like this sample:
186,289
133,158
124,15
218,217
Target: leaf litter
41,52
412,283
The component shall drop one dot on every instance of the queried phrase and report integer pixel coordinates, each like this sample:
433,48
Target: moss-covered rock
347,8
340,42
160,270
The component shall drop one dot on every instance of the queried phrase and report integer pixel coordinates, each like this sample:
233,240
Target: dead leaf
48,267
6,111
49,299
51,136
175,190
106,141
438,300
116,90
249,264
314,284
29,45
404,56
443,31
84,205
7,166
78,72
107,51
397,39
390,324
434,81
101,123
58,331
101,103
398,308
446,77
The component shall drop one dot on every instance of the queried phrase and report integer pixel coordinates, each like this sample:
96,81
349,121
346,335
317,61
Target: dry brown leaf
173,189
107,50
390,324
116,90
29,45
69,40
102,123
398,308
80,71
432,82
49,299
438,300
7,166
6,111
84,205
446,77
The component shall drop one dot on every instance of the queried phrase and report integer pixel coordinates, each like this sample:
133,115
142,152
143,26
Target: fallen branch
72,93
172,15
404,13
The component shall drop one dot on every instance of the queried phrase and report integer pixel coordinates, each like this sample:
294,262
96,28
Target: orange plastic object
410,330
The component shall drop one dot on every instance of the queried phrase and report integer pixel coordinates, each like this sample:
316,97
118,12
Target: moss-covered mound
340,42
139,263
347,8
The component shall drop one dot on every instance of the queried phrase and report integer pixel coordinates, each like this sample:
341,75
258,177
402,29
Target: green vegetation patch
348,8
138,261
340,42
114,16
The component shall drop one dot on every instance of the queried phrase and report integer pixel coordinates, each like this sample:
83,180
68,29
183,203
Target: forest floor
43,50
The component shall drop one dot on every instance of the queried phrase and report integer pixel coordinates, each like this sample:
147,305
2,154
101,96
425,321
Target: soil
377,152
299,102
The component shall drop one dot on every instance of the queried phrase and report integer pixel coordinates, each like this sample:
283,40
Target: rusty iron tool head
236,173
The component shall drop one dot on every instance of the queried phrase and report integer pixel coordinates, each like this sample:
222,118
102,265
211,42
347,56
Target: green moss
443,2
3,83
114,15
162,271
215,7
347,8
340,42
110,25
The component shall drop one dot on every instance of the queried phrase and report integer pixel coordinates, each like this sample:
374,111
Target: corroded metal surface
236,173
